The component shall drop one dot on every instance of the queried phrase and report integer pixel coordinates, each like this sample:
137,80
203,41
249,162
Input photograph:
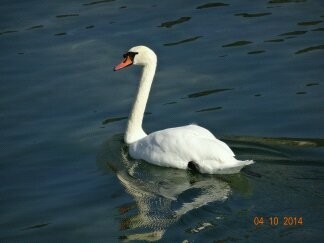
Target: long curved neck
134,129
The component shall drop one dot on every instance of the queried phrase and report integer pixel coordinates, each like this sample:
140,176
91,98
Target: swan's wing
175,147
198,130
203,132
163,148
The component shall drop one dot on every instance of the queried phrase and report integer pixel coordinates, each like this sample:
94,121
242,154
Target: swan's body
178,147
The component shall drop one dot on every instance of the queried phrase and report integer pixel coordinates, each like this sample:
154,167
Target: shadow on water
161,195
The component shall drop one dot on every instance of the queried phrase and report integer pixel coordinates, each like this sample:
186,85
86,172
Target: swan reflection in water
161,195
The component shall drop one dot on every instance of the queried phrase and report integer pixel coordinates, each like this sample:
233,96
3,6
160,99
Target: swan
186,147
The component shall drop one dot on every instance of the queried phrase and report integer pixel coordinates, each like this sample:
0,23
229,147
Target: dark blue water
252,73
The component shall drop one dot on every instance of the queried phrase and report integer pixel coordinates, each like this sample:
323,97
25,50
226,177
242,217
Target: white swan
180,147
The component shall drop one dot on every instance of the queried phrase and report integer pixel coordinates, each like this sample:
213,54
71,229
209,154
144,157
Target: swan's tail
234,169
241,164
245,162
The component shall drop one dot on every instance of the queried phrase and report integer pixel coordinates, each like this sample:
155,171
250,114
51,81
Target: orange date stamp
276,221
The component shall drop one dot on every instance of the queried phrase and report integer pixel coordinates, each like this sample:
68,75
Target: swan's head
137,55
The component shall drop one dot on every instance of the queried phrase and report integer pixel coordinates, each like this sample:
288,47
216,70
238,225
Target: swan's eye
131,55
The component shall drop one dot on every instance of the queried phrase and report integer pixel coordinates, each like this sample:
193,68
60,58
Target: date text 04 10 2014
275,220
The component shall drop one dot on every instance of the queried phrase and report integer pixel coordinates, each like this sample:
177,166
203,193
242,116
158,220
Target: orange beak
126,62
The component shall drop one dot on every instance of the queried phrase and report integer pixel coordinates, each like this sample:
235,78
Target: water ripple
256,52
312,48
169,24
61,33
275,40
183,41
296,142
248,15
207,92
310,22
201,227
170,103
8,32
287,1
292,33
35,27
98,2
238,43
212,5
312,84
113,119
318,29
36,226
210,109
66,15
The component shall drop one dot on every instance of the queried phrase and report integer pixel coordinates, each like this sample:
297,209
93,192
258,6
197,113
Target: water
250,73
